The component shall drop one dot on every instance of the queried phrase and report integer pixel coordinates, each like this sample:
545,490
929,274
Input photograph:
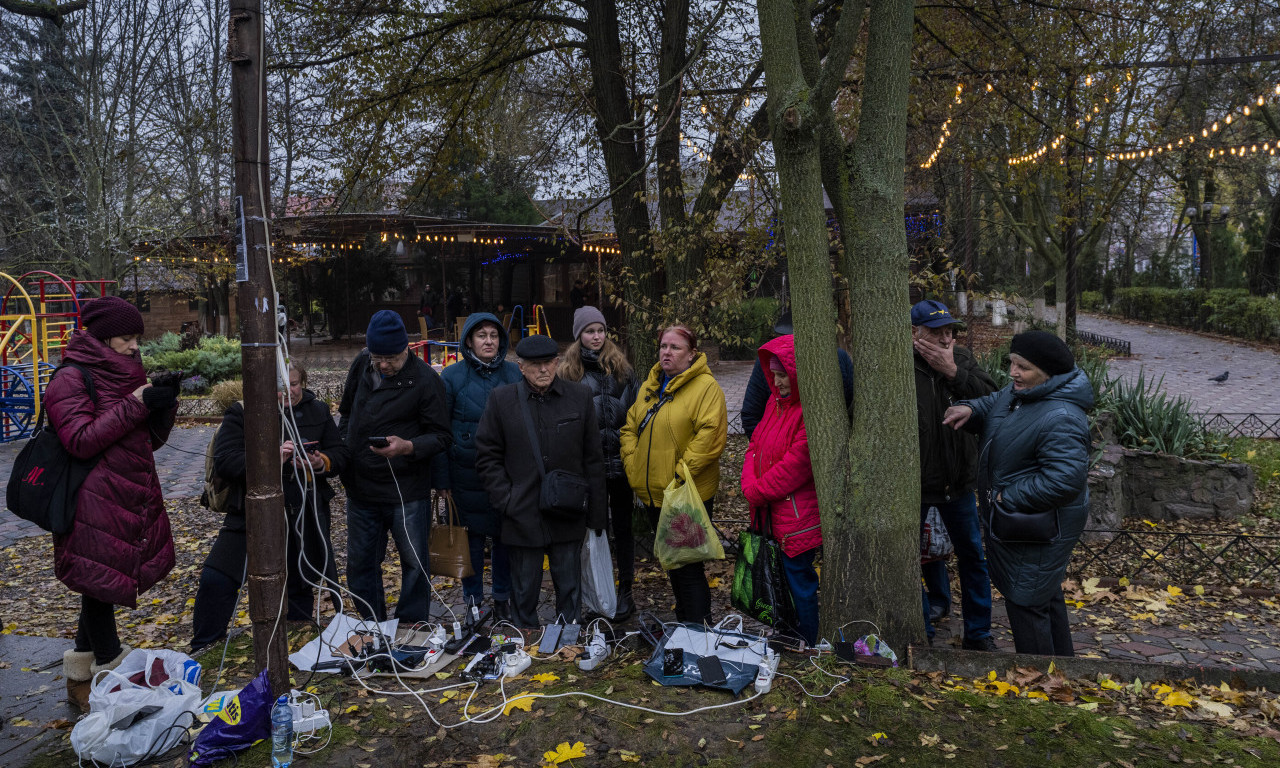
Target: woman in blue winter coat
596,361
467,385
1035,457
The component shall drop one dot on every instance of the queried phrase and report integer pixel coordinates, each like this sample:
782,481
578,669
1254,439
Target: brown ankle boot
76,667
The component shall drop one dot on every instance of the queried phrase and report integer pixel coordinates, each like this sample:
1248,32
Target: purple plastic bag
243,722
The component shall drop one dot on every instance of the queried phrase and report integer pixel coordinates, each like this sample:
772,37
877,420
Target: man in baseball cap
947,373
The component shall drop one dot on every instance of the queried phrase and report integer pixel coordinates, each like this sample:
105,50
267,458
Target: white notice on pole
242,246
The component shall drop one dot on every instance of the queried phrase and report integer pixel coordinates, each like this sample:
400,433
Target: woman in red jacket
120,544
777,480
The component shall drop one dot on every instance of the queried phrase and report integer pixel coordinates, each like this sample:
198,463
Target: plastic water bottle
282,733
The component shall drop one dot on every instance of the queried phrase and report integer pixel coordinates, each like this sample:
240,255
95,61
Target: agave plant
1148,419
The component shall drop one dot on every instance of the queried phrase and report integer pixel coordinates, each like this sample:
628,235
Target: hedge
1228,311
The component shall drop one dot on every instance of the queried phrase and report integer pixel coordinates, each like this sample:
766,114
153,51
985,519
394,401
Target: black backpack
46,478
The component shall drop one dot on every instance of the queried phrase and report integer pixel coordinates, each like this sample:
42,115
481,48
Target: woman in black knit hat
1035,462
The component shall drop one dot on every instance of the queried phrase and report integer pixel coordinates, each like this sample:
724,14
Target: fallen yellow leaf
1177,699
522,701
628,756
546,677
563,753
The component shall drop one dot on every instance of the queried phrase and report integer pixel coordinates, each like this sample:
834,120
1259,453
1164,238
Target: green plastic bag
685,534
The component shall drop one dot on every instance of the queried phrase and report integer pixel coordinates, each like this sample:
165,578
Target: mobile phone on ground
711,670
550,639
673,662
379,442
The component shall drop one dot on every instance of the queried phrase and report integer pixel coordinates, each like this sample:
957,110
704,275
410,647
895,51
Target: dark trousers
1042,629
689,582
961,520
97,630
310,561
621,505
367,529
802,578
565,559
473,586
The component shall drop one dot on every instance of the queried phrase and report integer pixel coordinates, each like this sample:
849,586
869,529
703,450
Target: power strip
768,669
306,718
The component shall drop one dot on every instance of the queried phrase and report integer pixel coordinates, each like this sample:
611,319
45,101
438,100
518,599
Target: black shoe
937,612
626,605
981,644
501,610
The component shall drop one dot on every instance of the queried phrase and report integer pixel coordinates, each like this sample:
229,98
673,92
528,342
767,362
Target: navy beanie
1044,350
111,316
386,334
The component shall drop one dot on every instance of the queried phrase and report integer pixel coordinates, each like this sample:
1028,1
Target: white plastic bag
598,593
173,664
129,722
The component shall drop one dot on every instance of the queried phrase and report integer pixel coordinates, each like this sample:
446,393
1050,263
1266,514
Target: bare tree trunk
876,543
618,130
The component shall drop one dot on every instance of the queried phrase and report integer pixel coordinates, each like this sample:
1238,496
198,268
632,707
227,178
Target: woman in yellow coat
679,417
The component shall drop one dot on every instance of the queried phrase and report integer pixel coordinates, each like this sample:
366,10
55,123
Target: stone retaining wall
1156,486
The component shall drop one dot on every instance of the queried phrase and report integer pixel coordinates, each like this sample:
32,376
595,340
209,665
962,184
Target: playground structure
38,313
517,331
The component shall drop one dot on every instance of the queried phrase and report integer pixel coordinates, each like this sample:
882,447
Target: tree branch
43,10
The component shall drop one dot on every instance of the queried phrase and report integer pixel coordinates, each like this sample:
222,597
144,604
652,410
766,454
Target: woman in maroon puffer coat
120,544
777,481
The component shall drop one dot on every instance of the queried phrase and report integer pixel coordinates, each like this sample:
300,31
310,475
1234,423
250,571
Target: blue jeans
803,580
961,520
473,586
367,529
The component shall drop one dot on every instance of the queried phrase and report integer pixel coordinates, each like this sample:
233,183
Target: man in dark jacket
946,374
393,420
304,471
563,418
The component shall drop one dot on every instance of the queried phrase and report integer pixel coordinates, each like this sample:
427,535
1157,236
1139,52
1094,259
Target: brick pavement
1187,361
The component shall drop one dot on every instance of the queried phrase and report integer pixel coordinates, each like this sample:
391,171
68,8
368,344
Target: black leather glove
160,398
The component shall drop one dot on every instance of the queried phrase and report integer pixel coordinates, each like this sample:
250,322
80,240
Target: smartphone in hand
379,442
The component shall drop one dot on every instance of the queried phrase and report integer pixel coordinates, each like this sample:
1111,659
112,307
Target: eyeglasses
385,358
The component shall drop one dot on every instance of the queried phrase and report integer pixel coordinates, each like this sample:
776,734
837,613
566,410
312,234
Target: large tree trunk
617,129
875,545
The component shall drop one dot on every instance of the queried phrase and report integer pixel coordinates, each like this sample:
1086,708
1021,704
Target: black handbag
46,478
1011,526
760,589
563,494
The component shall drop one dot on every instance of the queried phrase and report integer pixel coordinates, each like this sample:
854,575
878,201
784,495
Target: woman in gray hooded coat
1035,457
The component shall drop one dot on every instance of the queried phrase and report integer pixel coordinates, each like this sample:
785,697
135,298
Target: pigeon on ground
1221,378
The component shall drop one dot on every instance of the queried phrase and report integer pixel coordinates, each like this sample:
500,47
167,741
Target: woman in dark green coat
1035,457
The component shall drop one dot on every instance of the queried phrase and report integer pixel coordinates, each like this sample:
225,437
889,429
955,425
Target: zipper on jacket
794,508
802,530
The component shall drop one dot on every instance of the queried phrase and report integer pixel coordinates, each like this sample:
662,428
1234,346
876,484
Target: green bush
741,328
1229,311
1148,419
1091,301
216,359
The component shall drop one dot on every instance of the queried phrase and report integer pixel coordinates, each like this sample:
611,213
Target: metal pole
266,529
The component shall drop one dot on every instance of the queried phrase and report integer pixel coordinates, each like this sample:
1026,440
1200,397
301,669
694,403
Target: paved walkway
1188,360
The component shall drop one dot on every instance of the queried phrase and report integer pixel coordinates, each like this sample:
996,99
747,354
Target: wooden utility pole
266,529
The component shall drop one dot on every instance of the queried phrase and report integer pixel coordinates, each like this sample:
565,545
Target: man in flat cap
538,451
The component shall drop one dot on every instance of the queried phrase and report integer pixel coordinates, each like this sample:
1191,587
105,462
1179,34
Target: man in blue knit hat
393,419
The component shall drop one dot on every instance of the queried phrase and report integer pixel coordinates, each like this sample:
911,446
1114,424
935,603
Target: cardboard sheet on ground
324,649
435,663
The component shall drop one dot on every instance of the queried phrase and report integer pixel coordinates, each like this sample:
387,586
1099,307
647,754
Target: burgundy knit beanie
111,316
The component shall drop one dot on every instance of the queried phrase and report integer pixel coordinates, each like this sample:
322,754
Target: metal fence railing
1177,557
1244,424
1119,346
